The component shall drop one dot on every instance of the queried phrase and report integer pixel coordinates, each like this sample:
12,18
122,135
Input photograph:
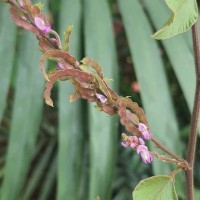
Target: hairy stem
159,145
194,119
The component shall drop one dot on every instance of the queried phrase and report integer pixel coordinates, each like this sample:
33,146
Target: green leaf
99,45
49,180
38,171
184,15
7,53
27,110
71,132
156,187
178,51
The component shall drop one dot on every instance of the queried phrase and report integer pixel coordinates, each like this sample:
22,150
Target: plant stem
159,145
194,118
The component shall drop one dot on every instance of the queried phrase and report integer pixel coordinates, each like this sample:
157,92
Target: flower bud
146,134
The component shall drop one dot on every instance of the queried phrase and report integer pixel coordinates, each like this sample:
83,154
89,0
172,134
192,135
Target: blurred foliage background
72,151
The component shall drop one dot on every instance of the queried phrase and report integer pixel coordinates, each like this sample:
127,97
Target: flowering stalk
88,80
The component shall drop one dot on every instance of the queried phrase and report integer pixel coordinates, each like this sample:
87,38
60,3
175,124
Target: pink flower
141,141
139,145
22,4
102,98
44,26
146,134
131,141
145,154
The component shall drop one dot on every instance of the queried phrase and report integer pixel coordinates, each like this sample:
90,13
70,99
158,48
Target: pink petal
61,66
146,157
142,127
102,98
40,23
22,4
47,29
146,135
141,148
134,139
141,141
133,145
124,144
144,131
145,154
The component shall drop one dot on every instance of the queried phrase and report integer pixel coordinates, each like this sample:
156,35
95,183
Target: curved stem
194,119
173,173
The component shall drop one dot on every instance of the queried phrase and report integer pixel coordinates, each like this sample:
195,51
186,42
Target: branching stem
194,118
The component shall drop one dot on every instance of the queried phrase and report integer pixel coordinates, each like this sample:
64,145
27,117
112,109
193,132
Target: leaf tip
156,36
